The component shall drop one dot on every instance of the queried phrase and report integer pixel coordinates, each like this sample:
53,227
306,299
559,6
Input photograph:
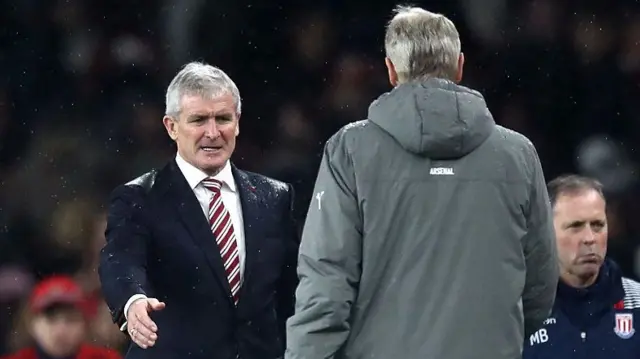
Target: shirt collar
195,176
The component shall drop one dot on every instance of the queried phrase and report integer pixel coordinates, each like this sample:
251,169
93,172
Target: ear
170,125
460,68
391,70
238,126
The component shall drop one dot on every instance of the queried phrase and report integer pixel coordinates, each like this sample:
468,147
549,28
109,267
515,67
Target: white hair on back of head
422,44
197,78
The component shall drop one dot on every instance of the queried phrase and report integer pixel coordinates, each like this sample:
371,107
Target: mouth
211,149
590,259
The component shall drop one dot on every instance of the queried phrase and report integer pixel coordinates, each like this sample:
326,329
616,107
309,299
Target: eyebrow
196,115
583,222
209,115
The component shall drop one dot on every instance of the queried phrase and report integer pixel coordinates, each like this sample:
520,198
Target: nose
589,237
211,130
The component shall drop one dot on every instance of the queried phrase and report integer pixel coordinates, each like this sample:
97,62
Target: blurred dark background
82,97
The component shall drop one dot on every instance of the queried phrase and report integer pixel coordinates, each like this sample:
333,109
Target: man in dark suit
200,260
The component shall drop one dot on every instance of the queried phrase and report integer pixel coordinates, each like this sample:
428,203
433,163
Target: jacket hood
434,118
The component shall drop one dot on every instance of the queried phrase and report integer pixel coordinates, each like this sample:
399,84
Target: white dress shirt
230,199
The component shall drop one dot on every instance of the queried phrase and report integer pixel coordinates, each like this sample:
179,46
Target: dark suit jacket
159,244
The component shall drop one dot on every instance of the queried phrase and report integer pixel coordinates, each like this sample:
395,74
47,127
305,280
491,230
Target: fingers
145,322
142,341
143,331
154,304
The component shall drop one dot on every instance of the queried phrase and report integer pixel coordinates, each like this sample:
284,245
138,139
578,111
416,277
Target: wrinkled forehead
209,105
584,205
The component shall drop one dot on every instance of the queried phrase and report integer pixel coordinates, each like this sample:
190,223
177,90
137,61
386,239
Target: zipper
583,335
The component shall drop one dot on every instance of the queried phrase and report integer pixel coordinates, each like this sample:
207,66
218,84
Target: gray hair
197,78
422,44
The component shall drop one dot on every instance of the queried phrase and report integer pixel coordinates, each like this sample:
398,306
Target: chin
590,269
211,166
212,160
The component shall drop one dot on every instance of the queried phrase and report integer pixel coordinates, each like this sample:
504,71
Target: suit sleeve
289,278
329,263
123,259
540,255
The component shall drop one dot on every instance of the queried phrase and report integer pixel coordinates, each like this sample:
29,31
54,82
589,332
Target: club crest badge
624,325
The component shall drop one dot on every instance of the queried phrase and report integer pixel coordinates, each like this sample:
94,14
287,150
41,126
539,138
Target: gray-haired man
200,255
430,235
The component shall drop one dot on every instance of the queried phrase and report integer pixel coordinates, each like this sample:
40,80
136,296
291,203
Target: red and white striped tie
222,228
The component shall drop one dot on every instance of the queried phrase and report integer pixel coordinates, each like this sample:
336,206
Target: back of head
427,113
422,44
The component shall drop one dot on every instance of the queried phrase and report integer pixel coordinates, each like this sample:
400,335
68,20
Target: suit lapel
190,213
250,202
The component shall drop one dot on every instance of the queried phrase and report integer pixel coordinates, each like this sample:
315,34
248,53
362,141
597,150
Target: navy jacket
159,243
596,322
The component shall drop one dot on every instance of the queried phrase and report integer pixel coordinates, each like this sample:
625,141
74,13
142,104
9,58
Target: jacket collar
608,286
585,306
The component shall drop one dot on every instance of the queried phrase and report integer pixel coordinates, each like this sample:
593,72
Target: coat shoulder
136,190
146,181
268,183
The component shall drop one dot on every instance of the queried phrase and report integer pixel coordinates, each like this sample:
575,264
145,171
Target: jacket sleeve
539,247
123,259
329,263
289,279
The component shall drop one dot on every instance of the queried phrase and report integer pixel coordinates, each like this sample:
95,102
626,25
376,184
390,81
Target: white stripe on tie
222,228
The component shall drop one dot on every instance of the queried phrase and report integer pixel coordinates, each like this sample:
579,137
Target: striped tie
222,228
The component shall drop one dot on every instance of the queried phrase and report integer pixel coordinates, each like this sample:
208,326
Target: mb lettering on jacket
603,325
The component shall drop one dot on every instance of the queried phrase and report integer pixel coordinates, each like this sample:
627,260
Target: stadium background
82,96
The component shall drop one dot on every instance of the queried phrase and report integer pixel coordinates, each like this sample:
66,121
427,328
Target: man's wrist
129,302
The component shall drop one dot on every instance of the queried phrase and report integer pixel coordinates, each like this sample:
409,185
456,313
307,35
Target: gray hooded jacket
429,236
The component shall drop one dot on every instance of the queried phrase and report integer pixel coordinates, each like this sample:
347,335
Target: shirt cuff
126,308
